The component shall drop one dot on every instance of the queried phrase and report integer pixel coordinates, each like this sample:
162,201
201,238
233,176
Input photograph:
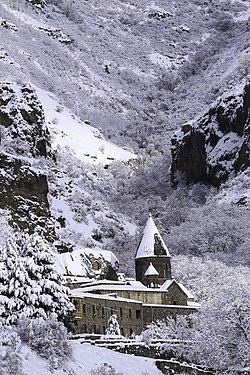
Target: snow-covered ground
79,138
87,357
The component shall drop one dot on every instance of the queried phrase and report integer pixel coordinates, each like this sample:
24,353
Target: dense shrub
48,338
10,352
104,369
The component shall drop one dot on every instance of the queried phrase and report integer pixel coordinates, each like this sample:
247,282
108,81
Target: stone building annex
154,294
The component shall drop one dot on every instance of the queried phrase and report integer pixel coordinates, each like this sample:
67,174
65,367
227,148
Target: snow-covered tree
222,332
113,326
13,284
30,285
172,330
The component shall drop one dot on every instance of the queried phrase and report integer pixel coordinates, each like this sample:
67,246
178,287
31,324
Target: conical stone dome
151,243
152,257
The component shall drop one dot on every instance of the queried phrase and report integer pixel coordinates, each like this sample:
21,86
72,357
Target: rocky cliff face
23,137
209,149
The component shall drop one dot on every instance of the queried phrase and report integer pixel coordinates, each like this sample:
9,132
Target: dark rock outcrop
37,3
24,136
217,144
57,34
22,126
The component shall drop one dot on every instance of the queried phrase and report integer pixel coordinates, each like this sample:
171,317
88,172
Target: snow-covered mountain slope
59,187
77,137
134,69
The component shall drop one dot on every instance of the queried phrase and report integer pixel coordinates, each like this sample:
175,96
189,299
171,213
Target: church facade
153,295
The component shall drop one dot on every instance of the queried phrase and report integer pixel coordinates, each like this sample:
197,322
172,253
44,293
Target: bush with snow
104,369
48,338
221,338
10,352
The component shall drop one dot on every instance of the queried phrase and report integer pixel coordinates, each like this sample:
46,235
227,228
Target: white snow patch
245,15
25,18
228,144
81,140
163,61
87,357
236,190
156,8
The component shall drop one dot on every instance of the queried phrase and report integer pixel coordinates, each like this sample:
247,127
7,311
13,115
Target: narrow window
84,309
130,313
111,310
93,310
138,314
103,312
120,312
76,304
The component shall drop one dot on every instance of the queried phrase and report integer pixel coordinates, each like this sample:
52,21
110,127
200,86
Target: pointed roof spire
151,243
151,271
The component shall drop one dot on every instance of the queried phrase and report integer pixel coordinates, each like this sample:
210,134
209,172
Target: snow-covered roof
151,243
72,263
151,271
78,293
167,284
190,305
106,287
105,282
186,291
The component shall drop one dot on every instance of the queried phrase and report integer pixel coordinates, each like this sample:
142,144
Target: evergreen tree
13,284
30,285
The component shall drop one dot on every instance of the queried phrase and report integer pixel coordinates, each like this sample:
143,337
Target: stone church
154,294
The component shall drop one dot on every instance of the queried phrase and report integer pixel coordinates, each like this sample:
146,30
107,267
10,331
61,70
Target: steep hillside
134,69
54,176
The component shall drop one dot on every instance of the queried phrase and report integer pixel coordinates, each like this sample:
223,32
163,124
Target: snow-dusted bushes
205,277
221,337
48,338
10,356
104,369
213,229
168,329
218,336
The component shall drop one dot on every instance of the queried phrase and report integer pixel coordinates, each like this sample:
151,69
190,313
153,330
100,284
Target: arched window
96,265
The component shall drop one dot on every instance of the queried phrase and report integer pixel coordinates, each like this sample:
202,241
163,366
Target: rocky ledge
211,148
23,137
